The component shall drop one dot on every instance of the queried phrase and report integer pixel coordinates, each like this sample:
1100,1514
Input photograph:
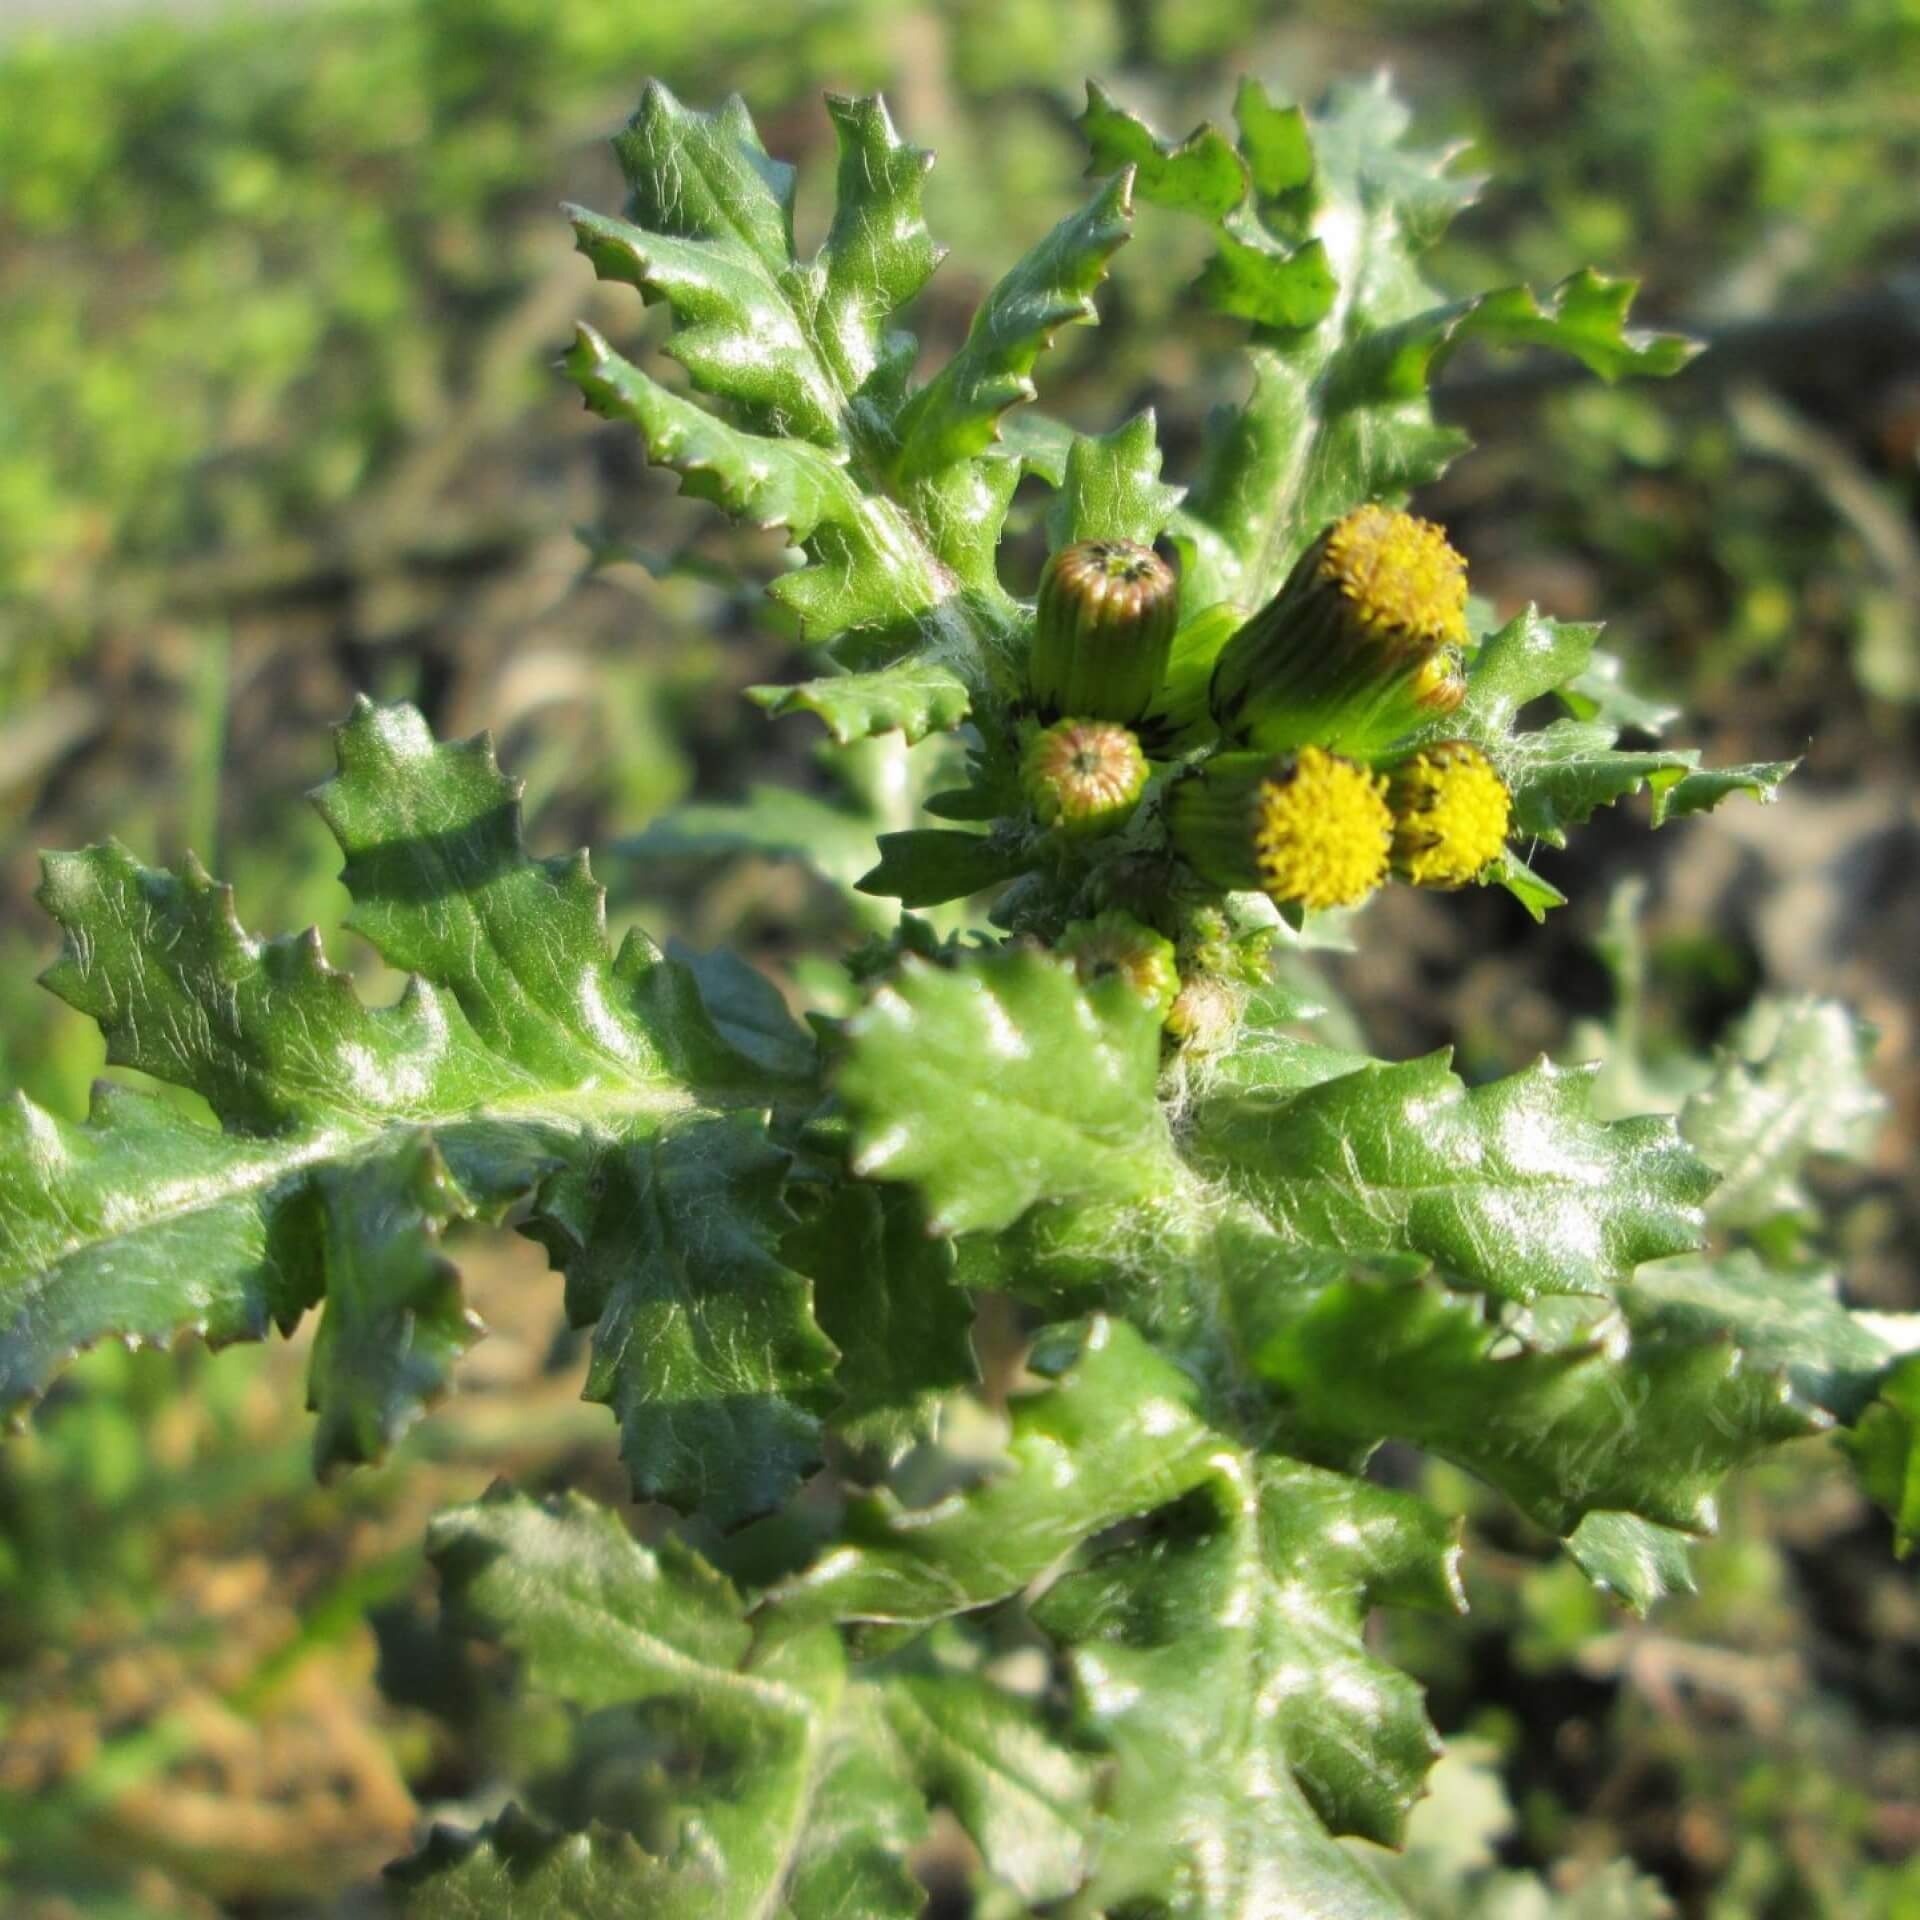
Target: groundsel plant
1105,1607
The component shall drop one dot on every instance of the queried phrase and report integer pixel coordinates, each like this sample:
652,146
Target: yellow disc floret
1322,831
1450,815
1399,572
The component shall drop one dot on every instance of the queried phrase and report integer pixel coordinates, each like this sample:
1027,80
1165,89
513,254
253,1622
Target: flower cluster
1309,785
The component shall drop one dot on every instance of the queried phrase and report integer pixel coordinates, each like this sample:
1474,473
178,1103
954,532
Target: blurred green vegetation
278,296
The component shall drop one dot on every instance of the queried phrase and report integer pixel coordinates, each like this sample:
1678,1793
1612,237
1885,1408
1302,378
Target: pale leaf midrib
342,1142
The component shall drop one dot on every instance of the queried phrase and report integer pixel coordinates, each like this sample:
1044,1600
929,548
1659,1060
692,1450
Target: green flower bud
1206,941
1309,828
1210,942
1450,815
1116,943
1360,645
1083,777
1102,627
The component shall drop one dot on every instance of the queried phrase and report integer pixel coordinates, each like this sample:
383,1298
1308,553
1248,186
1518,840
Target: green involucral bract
1107,1608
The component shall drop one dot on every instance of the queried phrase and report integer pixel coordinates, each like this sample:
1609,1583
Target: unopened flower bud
1206,942
1116,943
1450,815
1083,777
1210,942
1439,686
1103,624
1308,829
1360,645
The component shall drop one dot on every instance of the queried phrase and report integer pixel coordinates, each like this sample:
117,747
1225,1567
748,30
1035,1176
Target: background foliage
275,302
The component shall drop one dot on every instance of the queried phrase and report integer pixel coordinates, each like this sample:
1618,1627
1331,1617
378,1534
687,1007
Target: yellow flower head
1400,573
1322,831
1361,645
1450,815
1309,829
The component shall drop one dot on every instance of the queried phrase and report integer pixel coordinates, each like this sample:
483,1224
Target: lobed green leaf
927,866
704,1343
1318,225
1560,774
777,1748
1635,1560
1220,1658
916,698
870,568
1886,1452
954,416
518,1863
1110,488
1701,789
1601,1422
999,1082
1792,1086
1026,1799
393,1324
620,1099
896,494
1510,1188
1790,1324
885,1293
797,1784
1115,1434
